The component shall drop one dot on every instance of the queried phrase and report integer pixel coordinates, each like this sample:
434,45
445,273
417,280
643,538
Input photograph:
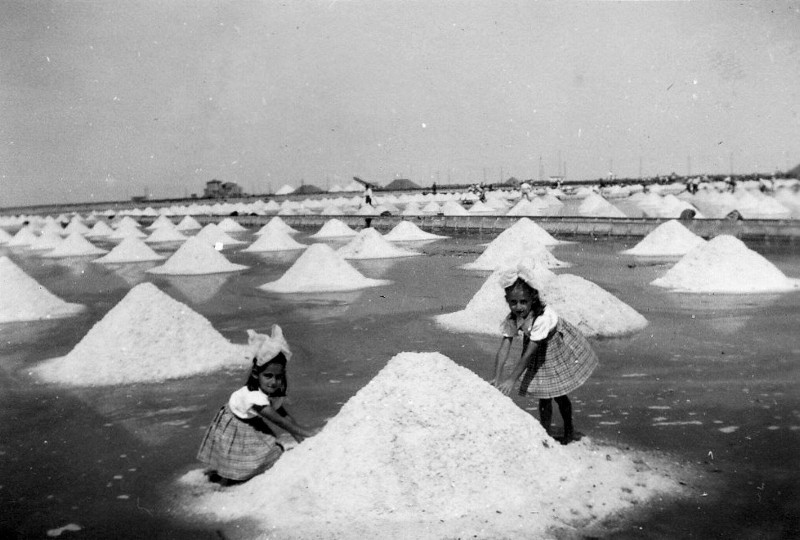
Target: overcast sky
103,99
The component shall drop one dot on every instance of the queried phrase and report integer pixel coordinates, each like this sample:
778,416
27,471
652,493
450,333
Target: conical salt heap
274,238
161,221
527,228
725,265
213,235
23,237
99,230
47,241
595,311
188,223
164,234
75,245
406,231
507,250
370,244
668,239
130,250
196,257
146,337
334,228
23,299
276,223
230,226
412,455
321,269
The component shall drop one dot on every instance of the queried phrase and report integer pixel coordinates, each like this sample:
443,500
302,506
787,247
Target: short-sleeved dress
562,362
239,444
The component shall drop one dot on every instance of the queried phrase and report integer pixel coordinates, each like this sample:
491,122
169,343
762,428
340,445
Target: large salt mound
509,249
212,235
195,257
725,265
412,455
595,311
321,269
527,228
75,245
274,238
668,239
405,231
370,244
146,337
130,250
334,228
23,299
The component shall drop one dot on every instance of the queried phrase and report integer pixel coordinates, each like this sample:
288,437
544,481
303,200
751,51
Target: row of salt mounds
146,337
276,223
130,250
406,231
196,257
321,269
725,265
24,299
75,245
274,238
334,228
595,311
421,461
671,238
370,244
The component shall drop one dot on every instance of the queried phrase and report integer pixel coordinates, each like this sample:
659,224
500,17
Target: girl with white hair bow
240,442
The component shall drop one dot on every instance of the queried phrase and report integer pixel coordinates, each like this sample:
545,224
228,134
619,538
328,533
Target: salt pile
596,206
321,269
188,223
23,299
161,221
277,223
334,228
406,231
370,244
196,257
509,249
127,231
164,234
668,239
595,311
24,237
274,238
411,455
527,228
213,235
146,337
99,230
725,265
230,226
48,240
76,226
75,245
130,250
4,236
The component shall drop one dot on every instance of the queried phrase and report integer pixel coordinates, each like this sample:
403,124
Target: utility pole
559,163
689,165
541,169
640,167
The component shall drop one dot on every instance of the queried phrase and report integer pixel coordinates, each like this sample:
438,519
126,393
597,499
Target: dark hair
538,303
252,378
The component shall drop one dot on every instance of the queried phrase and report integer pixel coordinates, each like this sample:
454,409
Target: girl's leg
546,413
565,408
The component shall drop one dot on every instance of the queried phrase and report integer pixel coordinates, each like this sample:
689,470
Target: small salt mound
24,237
121,233
146,337
4,237
725,265
431,208
188,223
99,230
48,240
76,226
334,228
75,245
276,223
196,257
526,208
273,238
507,250
321,269
406,231
483,208
285,190
126,222
452,208
23,299
596,206
367,210
213,235
164,234
130,250
370,244
527,228
668,239
332,210
413,449
230,226
595,311
161,221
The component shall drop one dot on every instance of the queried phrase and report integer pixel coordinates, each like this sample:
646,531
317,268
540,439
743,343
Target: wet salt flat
712,382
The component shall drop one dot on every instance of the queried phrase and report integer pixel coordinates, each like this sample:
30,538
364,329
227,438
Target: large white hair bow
534,275
264,347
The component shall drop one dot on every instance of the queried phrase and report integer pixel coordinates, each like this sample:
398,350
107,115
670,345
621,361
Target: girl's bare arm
506,386
500,359
286,422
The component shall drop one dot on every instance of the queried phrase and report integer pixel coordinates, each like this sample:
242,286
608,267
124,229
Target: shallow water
713,381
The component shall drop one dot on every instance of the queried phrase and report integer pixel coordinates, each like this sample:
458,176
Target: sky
104,100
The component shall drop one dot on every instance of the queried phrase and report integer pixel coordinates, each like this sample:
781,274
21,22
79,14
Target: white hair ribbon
264,347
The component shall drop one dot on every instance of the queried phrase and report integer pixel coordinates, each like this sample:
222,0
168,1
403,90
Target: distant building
217,189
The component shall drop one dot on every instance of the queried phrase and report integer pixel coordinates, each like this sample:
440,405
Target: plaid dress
563,361
238,449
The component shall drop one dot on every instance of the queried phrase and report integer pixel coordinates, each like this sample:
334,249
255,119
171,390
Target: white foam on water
668,239
196,257
146,337
370,244
24,299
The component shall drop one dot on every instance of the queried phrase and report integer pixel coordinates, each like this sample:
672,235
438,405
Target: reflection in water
277,257
720,303
199,289
373,268
132,273
320,306
77,266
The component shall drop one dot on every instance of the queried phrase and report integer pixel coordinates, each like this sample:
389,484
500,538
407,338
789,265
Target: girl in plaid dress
556,358
239,443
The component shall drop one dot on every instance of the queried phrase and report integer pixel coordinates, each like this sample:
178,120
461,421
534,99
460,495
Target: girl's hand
506,386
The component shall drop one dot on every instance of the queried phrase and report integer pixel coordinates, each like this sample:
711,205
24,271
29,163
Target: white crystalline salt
196,257
334,228
527,228
24,299
725,265
161,221
320,269
146,337
230,226
75,245
165,234
274,238
130,250
121,233
23,237
48,240
595,205
212,235
276,223
99,230
370,244
509,249
668,239
188,223
413,448
406,231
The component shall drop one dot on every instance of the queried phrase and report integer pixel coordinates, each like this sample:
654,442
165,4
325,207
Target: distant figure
525,189
240,444
687,214
731,181
368,196
734,215
433,188
556,357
